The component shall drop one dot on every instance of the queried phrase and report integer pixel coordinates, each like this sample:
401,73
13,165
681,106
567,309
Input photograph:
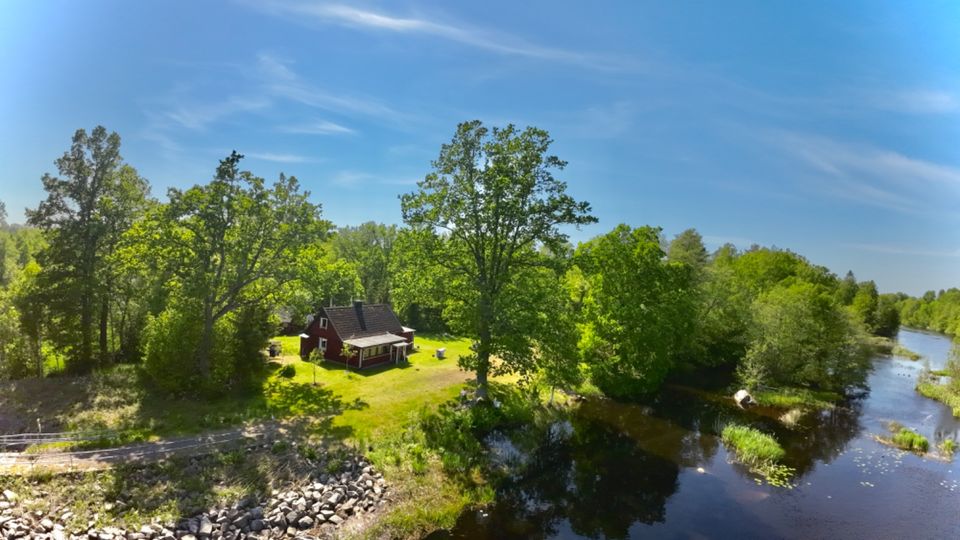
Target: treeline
193,287
936,311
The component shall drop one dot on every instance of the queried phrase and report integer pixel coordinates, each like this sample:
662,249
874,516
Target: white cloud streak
916,101
353,17
903,250
278,157
281,81
867,174
319,127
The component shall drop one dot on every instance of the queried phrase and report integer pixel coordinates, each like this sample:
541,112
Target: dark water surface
628,471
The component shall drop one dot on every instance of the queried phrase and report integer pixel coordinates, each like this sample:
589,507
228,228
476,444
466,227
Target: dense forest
192,286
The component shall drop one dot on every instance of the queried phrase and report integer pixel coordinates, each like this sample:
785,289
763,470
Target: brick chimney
358,307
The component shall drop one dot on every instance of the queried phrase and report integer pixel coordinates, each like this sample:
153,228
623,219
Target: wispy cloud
840,158
868,174
282,81
916,101
272,81
349,178
903,250
319,127
354,17
279,158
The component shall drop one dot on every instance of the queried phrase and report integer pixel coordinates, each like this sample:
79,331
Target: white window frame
323,323
323,344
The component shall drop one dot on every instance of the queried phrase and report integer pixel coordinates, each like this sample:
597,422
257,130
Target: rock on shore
313,509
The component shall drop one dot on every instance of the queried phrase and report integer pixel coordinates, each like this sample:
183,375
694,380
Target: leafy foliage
802,337
638,310
494,197
92,202
226,249
368,247
938,311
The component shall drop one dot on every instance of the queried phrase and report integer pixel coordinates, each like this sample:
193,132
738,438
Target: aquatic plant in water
760,452
910,440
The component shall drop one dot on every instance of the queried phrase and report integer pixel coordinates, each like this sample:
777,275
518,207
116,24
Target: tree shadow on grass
365,372
181,487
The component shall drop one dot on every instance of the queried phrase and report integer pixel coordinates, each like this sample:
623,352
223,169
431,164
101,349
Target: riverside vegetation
152,315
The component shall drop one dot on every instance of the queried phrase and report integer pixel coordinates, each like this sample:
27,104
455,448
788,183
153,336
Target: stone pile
314,509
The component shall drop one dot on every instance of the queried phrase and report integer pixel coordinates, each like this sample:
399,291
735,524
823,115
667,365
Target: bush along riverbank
225,495
929,385
453,458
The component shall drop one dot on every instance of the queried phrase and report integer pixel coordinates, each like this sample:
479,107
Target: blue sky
832,129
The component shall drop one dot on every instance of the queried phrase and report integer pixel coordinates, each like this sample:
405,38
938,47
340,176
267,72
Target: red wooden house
372,331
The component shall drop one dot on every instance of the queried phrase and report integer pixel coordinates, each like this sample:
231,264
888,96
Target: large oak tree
88,206
493,200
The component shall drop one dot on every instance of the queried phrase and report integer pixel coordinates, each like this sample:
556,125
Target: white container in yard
441,353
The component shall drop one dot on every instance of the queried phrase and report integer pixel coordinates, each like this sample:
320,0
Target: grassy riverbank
405,419
945,393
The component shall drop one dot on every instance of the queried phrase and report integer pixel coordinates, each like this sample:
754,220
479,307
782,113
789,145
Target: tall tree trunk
104,316
206,342
85,361
485,341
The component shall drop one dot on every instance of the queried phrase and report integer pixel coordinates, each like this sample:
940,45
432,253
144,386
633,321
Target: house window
323,344
323,322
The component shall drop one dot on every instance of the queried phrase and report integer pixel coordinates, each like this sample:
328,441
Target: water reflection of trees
596,481
821,436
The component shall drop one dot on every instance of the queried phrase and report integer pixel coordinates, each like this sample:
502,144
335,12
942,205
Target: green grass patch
943,393
752,445
789,398
941,373
910,440
903,352
355,404
948,447
759,451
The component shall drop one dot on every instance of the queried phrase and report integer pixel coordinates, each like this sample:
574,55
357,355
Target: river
628,471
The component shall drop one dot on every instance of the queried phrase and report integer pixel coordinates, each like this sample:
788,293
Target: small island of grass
752,445
907,439
759,451
903,352
790,398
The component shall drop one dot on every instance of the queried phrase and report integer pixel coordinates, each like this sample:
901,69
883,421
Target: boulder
743,398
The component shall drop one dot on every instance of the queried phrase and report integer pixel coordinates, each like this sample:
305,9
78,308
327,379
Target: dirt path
21,463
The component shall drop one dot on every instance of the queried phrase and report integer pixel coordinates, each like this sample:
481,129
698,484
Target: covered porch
380,349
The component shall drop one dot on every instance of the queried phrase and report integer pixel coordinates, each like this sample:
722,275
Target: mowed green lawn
347,404
387,396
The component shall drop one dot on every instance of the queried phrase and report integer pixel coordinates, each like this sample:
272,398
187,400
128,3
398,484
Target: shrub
173,338
287,371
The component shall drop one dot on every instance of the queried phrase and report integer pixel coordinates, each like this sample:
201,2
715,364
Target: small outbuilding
371,333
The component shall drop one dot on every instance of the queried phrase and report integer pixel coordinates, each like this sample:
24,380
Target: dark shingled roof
361,320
